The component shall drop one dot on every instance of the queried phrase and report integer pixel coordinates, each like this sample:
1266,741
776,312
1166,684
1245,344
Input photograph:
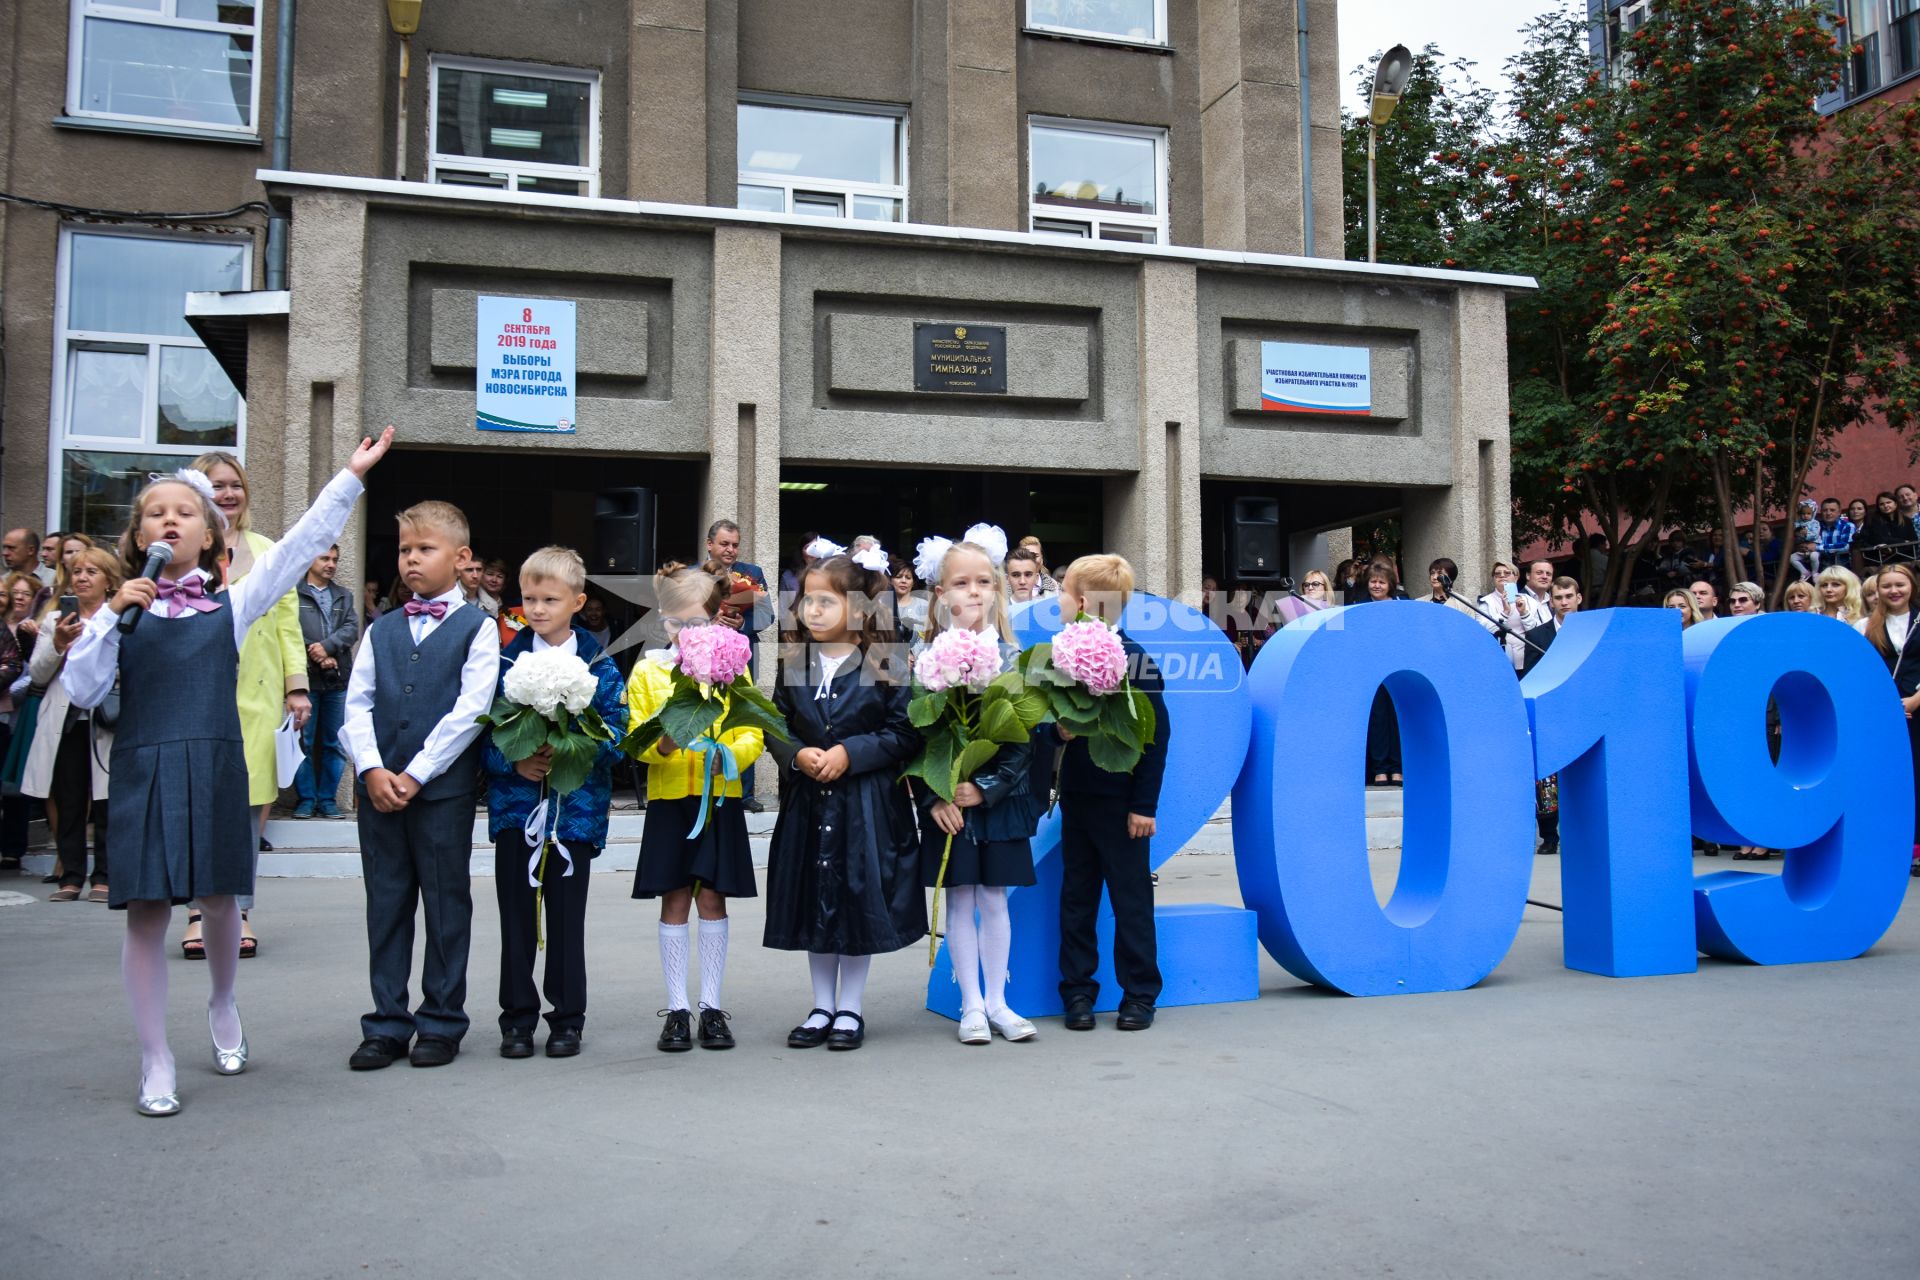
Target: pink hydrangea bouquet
967,705
712,696
1082,674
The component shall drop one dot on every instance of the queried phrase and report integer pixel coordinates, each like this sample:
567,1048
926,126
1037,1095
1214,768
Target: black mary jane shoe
1134,1015
516,1044
806,1037
713,1029
840,1038
677,1035
564,1043
1080,1014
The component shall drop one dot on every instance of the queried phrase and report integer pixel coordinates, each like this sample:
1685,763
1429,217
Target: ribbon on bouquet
718,755
540,827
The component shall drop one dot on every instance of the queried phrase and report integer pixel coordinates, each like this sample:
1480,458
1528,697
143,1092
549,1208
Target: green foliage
575,740
961,731
686,716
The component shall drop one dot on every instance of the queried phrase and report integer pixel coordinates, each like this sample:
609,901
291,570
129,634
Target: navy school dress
178,822
843,872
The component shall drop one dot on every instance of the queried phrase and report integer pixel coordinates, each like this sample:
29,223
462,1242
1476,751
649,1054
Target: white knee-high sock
963,947
713,960
825,967
853,984
143,971
673,963
220,928
996,944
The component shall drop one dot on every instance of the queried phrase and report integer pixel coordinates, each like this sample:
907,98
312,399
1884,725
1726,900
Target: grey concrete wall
1250,307
667,150
858,49
986,183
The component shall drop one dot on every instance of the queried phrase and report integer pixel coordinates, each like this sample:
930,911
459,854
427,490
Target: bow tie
186,594
435,609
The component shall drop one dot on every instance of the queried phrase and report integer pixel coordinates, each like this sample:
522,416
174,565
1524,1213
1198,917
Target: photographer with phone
67,763
1516,612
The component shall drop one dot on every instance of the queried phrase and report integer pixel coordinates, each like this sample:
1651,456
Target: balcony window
515,127
822,160
1097,181
184,63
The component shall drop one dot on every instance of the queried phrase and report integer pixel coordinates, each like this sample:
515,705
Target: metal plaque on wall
969,358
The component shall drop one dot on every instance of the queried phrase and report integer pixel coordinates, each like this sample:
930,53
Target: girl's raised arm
281,568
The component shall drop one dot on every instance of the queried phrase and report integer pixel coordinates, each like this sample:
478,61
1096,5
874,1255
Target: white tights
143,971
981,948
851,975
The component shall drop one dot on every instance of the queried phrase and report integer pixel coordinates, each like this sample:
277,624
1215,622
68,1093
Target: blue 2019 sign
1655,734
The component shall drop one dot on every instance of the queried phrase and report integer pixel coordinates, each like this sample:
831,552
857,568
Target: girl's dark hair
1446,566
867,593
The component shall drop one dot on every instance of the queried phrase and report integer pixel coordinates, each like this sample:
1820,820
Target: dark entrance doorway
900,507
1238,546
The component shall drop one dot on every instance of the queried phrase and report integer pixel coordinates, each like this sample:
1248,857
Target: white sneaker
1011,1026
973,1029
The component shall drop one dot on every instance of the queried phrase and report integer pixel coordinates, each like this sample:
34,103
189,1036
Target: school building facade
758,209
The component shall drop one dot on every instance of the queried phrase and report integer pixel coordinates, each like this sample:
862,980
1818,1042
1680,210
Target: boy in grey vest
423,679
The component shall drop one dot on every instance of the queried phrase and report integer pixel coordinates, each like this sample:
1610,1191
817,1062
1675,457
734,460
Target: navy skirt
720,860
988,862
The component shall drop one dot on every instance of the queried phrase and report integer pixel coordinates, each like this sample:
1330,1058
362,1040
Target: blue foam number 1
1847,842
1299,808
1208,953
1609,716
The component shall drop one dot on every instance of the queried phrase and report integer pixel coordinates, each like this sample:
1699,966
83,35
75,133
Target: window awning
221,320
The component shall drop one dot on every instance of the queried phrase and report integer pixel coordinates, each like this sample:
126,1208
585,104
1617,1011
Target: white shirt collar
570,645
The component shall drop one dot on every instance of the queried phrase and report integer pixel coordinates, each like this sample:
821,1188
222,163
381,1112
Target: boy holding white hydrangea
548,826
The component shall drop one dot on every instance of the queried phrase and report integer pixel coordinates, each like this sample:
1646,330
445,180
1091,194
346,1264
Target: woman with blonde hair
1799,597
1689,608
273,669
1839,594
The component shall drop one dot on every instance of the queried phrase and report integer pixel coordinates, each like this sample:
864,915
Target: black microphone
159,556
1286,585
1446,580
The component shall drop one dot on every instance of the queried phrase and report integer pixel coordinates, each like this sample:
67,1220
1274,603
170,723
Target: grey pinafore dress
177,815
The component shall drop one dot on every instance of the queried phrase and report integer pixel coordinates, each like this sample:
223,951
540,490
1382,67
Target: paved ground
1737,1122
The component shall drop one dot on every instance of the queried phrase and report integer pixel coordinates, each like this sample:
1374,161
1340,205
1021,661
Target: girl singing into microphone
179,826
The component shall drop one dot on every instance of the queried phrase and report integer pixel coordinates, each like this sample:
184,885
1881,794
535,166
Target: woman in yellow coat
715,865
273,667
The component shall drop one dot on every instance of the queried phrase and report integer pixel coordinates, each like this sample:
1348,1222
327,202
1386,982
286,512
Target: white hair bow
990,538
927,557
873,559
196,481
823,548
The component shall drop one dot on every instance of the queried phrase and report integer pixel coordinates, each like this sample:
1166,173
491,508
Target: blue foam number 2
1208,953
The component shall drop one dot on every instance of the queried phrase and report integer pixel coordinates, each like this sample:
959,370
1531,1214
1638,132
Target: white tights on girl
984,946
846,973
143,970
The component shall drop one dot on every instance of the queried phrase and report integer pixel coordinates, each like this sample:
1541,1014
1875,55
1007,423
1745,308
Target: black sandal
806,1037
839,1039
193,948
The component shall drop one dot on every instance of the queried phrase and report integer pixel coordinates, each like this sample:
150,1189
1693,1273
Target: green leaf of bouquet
1000,722
1032,706
635,744
520,736
1116,718
1111,754
572,761
1077,697
926,708
749,715
1146,726
934,764
972,758
687,715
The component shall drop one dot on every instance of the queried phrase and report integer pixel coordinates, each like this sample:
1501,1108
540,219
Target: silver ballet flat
157,1104
228,1062
1013,1027
973,1029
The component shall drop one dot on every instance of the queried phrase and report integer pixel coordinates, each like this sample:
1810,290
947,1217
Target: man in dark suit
723,556
1564,598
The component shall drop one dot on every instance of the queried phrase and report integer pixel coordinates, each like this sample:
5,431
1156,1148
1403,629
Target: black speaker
1254,538
622,532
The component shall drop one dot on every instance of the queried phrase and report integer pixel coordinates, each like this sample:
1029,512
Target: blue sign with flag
1305,377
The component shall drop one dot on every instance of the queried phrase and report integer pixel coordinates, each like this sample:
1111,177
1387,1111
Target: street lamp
1389,82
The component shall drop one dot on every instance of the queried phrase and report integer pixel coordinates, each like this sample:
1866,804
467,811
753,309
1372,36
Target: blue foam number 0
1208,953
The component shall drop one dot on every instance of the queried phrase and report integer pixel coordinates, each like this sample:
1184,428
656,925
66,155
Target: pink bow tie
435,609
186,595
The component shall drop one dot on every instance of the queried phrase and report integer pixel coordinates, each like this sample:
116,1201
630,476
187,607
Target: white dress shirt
570,645
830,664
1897,626
458,728
95,656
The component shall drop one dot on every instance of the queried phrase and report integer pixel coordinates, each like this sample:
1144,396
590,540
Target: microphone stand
1500,628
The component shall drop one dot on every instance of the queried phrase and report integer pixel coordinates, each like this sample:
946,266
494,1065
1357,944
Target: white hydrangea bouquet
547,701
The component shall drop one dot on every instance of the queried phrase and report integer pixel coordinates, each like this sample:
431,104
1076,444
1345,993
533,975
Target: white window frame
1096,219
789,184
66,341
511,171
81,10
1158,40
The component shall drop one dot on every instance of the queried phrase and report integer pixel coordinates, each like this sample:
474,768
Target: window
514,127
134,390
176,62
1098,181
1139,21
823,160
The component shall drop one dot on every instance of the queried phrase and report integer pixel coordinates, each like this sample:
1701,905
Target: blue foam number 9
1299,809
1208,953
1609,716
1847,842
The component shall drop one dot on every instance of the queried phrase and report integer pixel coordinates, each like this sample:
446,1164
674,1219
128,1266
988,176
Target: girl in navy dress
843,881
991,816
177,820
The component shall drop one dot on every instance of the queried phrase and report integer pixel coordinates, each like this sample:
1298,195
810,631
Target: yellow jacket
678,776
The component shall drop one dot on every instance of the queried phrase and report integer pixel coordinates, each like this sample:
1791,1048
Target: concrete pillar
1324,87
1250,137
1472,519
327,266
1153,515
986,186
667,130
